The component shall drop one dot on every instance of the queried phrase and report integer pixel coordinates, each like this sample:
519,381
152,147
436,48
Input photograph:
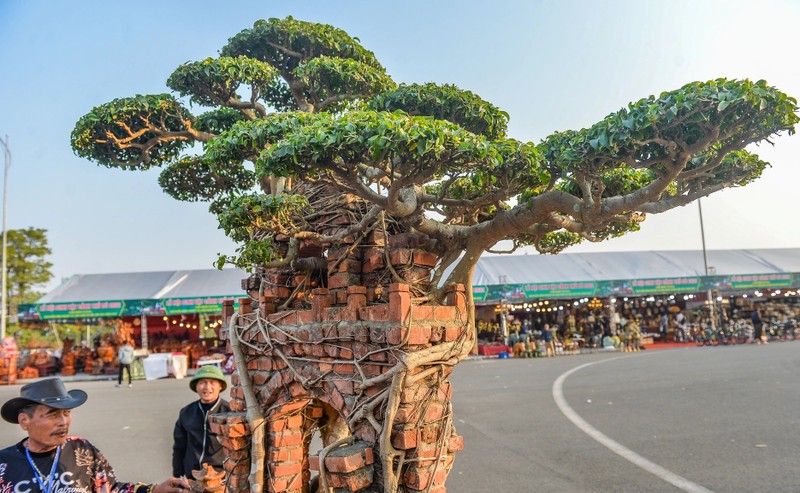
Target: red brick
427,259
376,237
330,351
440,476
380,356
286,485
406,413
429,451
318,350
245,306
378,313
279,292
414,393
237,430
399,303
283,469
296,389
260,377
416,479
434,412
342,280
337,400
345,353
451,333
373,260
281,454
428,434
455,443
445,392
290,408
352,266
348,463
286,422
419,335
405,439
344,386
299,317
343,369
377,334
361,334
372,370
423,312
366,433
360,349
353,481
237,404
287,439
400,256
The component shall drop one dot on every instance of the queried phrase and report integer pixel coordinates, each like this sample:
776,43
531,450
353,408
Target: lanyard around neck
46,487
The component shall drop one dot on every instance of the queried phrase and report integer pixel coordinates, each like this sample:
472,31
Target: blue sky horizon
551,65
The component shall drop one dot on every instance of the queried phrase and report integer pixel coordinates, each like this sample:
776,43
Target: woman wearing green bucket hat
194,443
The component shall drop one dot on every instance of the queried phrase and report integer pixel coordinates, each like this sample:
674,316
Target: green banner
124,308
665,285
83,309
512,292
633,287
753,281
205,304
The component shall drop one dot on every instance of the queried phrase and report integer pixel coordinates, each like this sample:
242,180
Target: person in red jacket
49,460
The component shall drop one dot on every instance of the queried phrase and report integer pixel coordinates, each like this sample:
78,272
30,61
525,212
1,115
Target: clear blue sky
552,65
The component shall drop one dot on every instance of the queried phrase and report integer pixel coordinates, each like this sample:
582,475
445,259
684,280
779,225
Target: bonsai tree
304,123
328,173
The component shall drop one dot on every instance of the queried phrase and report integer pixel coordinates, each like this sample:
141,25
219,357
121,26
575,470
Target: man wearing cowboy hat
51,461
194,443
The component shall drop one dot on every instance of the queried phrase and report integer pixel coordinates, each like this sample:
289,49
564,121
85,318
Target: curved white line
616,447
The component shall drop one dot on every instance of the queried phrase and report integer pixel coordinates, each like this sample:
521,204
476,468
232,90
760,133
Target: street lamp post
4,310
709,295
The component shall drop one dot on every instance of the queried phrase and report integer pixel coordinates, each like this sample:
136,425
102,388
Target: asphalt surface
721,419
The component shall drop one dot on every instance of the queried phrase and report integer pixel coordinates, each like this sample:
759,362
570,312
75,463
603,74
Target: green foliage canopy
434,158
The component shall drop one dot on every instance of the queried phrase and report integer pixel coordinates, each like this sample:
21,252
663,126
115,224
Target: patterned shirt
81,469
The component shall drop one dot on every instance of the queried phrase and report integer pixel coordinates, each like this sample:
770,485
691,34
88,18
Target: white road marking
616,447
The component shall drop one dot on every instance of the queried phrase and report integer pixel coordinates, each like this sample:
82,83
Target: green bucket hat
208,371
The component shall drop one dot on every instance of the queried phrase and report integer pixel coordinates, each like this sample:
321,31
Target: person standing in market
125,356
758,325
48,459
193,442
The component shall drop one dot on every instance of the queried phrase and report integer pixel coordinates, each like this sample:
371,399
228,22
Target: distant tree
305,120
27,266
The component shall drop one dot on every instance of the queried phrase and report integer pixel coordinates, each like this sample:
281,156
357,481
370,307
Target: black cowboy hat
49,392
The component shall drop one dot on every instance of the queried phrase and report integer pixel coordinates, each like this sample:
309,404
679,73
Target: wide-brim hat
49,392
208,371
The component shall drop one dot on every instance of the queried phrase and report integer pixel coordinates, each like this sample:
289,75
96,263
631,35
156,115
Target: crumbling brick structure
371,378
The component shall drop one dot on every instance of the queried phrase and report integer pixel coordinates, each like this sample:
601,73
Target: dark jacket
190,435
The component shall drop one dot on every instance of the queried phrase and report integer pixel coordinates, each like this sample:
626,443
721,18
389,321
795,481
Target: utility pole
4,310
709,295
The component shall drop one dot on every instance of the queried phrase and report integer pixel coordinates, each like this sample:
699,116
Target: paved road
719,419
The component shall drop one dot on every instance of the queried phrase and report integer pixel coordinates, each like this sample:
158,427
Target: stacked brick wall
331,368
